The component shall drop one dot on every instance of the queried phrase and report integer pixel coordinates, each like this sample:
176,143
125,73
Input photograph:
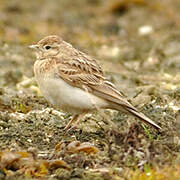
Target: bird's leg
79,118
74,121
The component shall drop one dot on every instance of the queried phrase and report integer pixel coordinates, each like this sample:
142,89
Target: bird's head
47,47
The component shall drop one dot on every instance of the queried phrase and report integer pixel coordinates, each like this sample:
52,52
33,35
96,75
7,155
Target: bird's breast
66,97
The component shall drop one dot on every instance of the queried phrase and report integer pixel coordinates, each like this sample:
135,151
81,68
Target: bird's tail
133,111
118,102
144,118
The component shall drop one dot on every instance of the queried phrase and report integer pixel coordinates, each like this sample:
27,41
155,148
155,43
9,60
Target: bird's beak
34,46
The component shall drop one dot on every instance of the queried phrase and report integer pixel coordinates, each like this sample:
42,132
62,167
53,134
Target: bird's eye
47,47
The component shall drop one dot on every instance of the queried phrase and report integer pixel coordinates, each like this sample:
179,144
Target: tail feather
133,111
144,118
118,102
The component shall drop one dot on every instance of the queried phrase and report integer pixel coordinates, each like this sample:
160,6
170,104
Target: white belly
68,98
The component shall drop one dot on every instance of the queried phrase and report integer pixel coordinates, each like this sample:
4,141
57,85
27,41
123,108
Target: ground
137,42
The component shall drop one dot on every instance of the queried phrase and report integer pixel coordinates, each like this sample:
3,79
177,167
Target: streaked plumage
74,82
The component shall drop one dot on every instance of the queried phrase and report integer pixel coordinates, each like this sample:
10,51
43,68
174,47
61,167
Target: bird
74,82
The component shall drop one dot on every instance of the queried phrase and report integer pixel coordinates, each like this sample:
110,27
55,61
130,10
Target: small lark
73,81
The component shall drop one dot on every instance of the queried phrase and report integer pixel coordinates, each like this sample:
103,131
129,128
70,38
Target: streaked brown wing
111,94
85,73
79,71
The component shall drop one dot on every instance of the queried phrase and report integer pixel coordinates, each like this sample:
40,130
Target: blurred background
124,35
138,44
